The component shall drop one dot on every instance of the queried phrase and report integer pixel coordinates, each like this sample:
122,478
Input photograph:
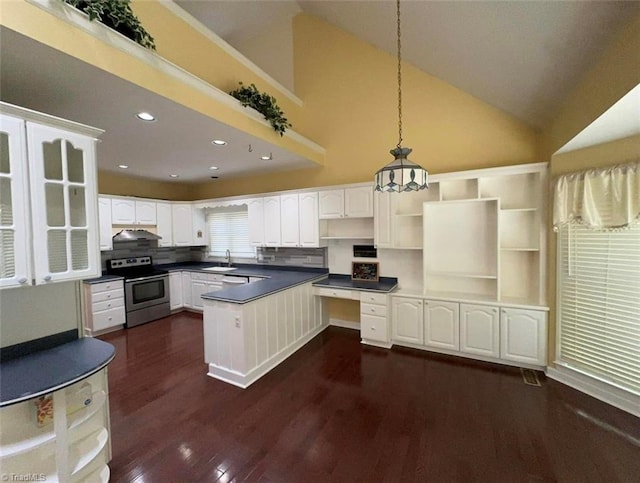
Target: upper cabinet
164,224
126,211
104,217
61,227
255,214
308,212
346,203
290,221
182,228
272,221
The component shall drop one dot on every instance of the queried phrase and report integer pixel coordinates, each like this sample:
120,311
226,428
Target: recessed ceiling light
145,116
123,166
265,158
219,142
173,175
213,167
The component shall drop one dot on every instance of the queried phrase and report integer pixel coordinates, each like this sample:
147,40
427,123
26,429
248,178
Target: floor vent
530,377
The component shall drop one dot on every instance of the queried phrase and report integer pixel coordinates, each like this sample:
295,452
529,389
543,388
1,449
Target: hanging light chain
399,78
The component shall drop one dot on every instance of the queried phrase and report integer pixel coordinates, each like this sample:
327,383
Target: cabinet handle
108,305
495,310
373,329
372,309
47,278
22,280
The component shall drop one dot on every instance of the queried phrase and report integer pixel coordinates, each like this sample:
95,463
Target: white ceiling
523,57
178,142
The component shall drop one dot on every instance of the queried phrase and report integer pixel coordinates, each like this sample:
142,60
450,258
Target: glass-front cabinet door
64,210
14,218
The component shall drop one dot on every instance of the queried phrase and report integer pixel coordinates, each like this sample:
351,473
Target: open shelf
518,209
524,249
346,238
410,203
411,214
519,229
520,276
346,229
459,189
461,275
516,191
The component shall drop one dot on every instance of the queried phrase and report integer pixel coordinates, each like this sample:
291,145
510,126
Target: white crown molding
30,115
79,20
220,42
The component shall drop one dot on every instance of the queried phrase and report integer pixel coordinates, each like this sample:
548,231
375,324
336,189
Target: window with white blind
229,230
599,303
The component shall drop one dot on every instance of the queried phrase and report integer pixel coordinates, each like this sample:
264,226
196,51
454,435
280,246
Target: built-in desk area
375,327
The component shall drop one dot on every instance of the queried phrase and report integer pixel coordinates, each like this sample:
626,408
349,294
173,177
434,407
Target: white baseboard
345,324
599,389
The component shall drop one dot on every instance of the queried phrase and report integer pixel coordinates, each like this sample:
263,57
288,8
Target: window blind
599,303
229,230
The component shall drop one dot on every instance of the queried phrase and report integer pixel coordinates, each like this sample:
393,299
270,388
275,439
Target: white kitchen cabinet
346,203
182,221
309,223
146,212
382,220
175,290
358,202
127,211
104,218
74,447
123,211
104,306
331,204
58,239
480,330
200,237
272,236
374,319
164,224
407,320
290,221
198,287
255,215
523,335
441,324
186,290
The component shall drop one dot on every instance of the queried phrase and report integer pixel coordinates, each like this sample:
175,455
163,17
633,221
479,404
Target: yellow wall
612,76
597,156
349,90
115,184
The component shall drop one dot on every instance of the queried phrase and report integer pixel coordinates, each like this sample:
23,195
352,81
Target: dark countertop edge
246,301
67,383
389,283
200,266
102,279
377,290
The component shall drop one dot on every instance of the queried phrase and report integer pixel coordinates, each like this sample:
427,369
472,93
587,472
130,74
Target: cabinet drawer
369,309
374,298
207,277
111,295
374,328
337,293
108,318
107,304
106,286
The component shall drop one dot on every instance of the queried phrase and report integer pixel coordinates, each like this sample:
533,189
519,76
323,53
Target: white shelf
410,214
461,275
518,209
84,451
520,249
400,247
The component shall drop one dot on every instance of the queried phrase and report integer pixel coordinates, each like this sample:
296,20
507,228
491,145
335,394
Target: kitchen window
229,230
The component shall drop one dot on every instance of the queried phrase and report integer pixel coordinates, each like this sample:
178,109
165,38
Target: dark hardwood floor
340,411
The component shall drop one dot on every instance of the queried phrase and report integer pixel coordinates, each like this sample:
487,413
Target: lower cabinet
186,290
72,444
488,332
202,283
523,336
175,291
374,319
441,324
103,307
480,330
407,320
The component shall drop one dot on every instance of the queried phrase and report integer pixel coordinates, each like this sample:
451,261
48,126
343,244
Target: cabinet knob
47,278
110,318
22,280
108,305
373,310
373,329
495,310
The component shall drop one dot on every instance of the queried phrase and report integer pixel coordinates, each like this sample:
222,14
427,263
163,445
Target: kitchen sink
220,269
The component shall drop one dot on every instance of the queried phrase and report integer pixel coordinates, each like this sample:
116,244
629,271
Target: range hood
134,235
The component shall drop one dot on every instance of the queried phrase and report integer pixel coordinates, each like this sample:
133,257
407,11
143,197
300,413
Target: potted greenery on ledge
264,104
117,15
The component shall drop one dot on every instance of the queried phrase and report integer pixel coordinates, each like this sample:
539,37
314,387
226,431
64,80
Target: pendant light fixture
401,174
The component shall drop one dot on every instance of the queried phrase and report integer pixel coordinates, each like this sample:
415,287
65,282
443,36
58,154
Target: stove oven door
146,292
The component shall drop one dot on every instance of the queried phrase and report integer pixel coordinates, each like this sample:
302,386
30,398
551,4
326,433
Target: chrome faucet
228,255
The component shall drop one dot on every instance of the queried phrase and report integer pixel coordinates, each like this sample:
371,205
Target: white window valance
606,198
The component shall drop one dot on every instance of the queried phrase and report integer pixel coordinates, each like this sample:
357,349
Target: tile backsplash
158,255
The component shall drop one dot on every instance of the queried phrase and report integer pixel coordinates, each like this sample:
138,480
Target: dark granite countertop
336,280
49,370
275,279
104,278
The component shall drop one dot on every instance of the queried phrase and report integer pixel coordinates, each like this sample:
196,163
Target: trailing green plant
117,15
264,104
